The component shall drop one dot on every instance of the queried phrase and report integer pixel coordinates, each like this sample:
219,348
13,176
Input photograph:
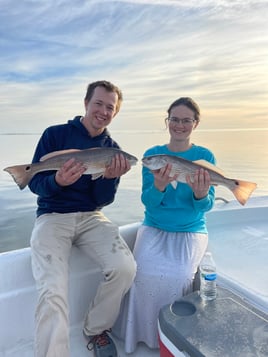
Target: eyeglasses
184,121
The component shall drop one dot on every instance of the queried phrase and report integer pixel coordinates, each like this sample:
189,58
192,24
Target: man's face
100,110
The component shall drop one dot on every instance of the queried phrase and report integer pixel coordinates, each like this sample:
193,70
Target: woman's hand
162,177
200,183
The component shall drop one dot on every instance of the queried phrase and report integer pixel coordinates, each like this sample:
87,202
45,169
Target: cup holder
183,308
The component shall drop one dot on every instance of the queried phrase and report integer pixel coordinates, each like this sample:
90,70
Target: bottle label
210,277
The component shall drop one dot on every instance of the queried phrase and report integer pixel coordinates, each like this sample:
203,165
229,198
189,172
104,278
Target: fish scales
183,168
95,160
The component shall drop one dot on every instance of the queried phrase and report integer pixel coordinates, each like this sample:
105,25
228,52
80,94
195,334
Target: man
69,212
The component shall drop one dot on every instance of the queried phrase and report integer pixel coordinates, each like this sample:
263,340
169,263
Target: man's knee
124,271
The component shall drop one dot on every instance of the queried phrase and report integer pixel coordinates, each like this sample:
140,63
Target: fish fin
208,165
22,174
243,190
174,184
97,175
56,153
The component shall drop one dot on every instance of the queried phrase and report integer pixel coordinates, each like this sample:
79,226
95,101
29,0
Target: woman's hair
110,87
189,103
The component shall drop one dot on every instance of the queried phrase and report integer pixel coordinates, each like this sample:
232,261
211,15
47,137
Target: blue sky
215,51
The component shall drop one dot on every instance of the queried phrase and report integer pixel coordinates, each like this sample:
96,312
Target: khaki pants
52,238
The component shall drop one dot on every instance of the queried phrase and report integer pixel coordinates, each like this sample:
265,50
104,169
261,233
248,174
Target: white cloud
214,51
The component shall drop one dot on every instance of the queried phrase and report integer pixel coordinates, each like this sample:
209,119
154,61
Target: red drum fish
95,160
182,167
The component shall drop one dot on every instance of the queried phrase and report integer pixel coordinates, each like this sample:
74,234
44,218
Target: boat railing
221,199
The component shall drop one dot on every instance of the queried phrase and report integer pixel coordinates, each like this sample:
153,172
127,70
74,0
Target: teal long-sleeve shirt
176,210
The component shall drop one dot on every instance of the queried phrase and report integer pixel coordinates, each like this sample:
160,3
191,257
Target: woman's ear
196,123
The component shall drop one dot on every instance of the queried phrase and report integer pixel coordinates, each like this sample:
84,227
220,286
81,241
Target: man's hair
110,87
189,103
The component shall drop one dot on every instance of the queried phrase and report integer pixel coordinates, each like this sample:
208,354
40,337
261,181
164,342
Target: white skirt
167,263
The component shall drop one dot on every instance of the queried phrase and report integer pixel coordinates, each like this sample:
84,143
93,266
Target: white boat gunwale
18,294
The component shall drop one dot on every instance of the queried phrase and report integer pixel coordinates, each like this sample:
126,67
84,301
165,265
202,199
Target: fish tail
22,174
242,190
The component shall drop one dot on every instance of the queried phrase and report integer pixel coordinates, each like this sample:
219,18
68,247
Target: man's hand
69,173
118,167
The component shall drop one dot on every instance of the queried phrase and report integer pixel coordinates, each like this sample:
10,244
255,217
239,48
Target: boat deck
237,238
78,348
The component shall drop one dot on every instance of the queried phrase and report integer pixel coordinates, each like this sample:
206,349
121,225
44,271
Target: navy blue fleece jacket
85,194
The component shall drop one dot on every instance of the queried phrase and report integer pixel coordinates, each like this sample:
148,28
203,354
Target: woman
173,238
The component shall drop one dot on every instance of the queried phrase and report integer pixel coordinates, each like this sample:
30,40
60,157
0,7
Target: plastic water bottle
208,276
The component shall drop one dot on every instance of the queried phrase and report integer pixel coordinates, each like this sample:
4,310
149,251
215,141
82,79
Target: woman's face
181,122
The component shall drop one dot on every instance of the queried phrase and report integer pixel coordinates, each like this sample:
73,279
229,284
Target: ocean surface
240,153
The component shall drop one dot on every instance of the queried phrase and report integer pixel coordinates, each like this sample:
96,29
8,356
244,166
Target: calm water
241,154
